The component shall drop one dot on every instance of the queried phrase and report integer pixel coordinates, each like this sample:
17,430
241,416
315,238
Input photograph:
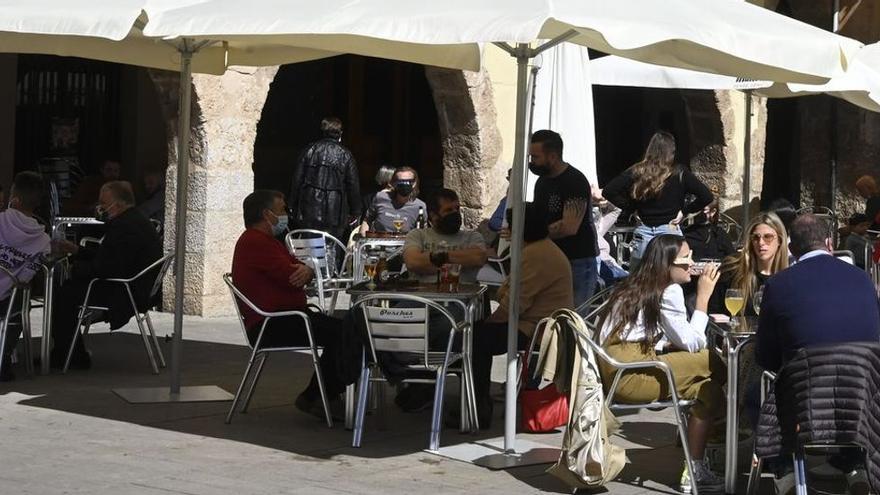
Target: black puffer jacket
826,394
325,189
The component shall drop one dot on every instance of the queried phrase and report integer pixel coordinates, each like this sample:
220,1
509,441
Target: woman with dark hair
545,286
655,188
645,320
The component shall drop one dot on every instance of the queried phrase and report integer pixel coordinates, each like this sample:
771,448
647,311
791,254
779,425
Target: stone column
732,106
225,115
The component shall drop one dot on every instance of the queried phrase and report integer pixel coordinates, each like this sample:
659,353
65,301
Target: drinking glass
756,300
733,300
453,276
370,270
398,224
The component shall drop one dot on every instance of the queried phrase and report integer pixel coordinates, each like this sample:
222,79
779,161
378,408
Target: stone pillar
732,106
470,139
224,119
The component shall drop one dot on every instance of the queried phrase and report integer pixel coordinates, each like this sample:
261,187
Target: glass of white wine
733,300
756,300
398,223
370,271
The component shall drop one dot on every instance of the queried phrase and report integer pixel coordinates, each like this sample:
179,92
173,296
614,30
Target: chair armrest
276,314
89,240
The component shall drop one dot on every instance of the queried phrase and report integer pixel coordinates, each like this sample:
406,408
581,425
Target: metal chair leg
4,327
350,392
79,324
320,378
755,475
363,389
333,299
472,395
147,344
27,337
254,380
437,414
682,431
800,474
159,353
247,372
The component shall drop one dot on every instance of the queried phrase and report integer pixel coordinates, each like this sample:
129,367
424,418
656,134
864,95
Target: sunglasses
767,238
686,260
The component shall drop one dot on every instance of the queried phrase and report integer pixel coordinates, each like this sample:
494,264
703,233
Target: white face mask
280,226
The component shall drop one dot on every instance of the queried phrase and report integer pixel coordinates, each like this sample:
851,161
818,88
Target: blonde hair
743,266
651,173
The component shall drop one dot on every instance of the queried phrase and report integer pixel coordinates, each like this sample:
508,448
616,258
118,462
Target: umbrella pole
747,162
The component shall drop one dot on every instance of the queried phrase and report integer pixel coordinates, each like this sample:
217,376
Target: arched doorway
387,111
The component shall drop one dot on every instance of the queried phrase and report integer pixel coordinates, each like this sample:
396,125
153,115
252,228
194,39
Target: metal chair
678,405
845,255
405,330
88,313
733,229
319,250
19,291
262,353
826,214
496,265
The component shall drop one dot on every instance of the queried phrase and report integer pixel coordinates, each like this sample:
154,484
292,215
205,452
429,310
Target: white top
677,330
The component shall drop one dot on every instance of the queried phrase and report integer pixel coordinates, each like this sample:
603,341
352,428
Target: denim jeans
642,235
584,277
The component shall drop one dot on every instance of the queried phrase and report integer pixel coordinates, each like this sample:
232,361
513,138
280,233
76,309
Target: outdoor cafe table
469,297
732,341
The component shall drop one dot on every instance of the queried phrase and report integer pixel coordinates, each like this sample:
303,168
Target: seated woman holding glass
645,319
743,274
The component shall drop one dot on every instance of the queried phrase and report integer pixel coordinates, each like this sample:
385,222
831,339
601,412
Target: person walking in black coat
130,245
325,193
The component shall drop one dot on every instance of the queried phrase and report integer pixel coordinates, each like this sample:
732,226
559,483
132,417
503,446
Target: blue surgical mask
280,226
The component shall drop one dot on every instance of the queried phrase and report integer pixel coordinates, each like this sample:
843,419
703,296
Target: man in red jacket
273,279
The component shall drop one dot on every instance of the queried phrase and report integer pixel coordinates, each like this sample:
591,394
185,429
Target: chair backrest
845,255
238,297
162,264
397,328
318,248
17,286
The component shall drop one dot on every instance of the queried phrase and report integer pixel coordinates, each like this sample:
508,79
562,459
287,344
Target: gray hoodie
22,241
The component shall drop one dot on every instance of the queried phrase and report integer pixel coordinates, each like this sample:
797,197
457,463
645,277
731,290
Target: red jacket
261,267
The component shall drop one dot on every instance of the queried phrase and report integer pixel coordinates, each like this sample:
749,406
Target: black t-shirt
661,209
872,208
551,193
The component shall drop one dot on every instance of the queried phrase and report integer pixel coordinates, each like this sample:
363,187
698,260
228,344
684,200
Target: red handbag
543,409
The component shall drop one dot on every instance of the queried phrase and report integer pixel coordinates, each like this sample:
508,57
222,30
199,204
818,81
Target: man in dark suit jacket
819,300
130,244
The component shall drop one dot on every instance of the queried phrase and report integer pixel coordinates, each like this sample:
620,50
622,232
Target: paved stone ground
70,434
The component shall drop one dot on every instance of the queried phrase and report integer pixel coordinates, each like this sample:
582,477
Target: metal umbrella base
156,395
490,453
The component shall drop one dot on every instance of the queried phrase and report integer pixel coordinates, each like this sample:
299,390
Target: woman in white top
644,320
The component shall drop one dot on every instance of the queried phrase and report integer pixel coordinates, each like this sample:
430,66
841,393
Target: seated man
22,241
545,286
130,244
273,279
819,300
424,252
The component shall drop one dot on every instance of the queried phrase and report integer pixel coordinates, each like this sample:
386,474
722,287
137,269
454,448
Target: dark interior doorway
387,111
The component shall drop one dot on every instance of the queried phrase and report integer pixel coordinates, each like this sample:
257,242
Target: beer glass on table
370,270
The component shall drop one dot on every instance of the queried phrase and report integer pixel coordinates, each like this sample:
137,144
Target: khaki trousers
697,377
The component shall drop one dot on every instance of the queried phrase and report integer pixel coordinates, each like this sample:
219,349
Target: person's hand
678,218
708,279
504,233
63,246
301,275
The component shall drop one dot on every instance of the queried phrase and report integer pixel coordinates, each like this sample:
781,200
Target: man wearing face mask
565,194
400,203
273,279
130,244
325,192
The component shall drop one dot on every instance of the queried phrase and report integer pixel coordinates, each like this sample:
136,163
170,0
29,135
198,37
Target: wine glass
756,300
398,223
733,300
370,270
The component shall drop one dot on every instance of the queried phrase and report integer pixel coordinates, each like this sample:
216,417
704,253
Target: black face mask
404,188
449,224
101,215
539,170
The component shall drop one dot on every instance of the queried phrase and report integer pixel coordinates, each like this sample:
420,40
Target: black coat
130,244
325,190
826,394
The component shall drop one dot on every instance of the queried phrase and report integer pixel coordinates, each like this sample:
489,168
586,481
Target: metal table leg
732,437
46,341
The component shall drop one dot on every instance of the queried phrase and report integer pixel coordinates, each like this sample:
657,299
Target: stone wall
470,138
732,107
224,121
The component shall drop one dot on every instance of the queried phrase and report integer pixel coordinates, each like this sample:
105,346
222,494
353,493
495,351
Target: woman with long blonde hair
655,188
764,253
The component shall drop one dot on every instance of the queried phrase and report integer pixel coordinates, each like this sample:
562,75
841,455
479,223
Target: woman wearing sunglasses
645,320
764,253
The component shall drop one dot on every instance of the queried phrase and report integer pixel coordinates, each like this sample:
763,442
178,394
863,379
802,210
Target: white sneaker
707,481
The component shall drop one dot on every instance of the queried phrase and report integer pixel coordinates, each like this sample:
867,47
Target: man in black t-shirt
564,193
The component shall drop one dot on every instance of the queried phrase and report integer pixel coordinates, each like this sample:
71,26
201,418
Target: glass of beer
450,276
370,271
398,223
733,300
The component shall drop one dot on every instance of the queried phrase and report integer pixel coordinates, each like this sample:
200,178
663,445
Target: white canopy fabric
564,103
720,36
